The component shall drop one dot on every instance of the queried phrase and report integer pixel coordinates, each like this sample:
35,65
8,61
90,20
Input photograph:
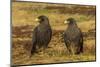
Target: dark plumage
73,37
41,34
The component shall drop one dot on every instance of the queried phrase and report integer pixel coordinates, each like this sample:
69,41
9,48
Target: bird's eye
42,19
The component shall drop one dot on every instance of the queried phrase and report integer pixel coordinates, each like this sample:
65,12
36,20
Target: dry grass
23,15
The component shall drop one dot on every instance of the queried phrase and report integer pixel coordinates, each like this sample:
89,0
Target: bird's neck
72,25
47,22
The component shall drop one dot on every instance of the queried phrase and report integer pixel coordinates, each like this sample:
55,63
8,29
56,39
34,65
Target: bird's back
43,34
72,33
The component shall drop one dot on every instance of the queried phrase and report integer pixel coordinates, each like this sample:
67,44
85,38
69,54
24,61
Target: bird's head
70,21
42,19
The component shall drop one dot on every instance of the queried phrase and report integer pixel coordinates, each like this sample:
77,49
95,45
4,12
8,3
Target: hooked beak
65,22
37,19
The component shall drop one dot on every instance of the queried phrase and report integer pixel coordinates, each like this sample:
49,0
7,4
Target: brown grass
23,24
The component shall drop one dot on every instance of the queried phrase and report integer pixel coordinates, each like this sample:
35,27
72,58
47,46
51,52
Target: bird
41,34
73,37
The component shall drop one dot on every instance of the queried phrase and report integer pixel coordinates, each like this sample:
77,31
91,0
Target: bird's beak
65,22
37,19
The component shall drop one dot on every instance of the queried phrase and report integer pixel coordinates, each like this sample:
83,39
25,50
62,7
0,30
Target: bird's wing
65,37
34,35
81,41
81,37
33,46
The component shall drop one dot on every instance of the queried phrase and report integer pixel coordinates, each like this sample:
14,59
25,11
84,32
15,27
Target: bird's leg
73,49
77,50
69,50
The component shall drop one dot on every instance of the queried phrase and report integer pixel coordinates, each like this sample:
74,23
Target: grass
23,15
30,11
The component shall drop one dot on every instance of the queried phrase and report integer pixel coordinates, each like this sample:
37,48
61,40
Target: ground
23,15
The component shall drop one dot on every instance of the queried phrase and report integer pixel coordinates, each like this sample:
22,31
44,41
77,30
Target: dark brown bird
73,37
41,34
